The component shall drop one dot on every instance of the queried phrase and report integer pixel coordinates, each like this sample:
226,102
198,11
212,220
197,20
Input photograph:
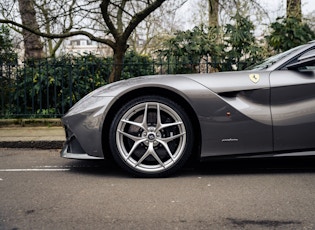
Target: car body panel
240,105
91,119
293,109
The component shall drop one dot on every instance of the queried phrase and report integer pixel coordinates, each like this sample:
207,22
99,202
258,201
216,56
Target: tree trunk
213,13
294,9
32,43
119,55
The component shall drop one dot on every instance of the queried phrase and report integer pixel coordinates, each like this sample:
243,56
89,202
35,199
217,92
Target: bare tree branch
65,35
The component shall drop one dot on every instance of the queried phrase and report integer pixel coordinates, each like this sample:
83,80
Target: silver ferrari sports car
152,125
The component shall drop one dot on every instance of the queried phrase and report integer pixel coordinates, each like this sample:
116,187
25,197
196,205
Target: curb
32,144
30,122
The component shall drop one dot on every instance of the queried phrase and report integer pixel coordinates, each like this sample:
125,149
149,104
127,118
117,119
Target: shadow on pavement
259,166
213,167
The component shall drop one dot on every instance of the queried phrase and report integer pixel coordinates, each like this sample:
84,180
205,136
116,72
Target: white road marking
33,170
68,166
49,168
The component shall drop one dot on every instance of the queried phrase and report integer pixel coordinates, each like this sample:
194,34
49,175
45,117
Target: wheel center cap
151,136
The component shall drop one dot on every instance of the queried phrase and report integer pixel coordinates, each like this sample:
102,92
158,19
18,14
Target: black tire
153,147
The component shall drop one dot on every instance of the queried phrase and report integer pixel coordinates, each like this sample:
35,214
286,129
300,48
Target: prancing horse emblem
254,78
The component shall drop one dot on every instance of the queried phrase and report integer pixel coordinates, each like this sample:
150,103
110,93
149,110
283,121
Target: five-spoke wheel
151,136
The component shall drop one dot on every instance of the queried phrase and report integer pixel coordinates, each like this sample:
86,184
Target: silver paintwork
235,115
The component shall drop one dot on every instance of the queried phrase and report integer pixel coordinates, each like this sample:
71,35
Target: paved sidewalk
32,137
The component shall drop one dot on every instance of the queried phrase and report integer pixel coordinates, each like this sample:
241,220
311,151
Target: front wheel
151,137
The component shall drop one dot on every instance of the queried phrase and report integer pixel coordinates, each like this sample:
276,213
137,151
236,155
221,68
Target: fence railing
49,88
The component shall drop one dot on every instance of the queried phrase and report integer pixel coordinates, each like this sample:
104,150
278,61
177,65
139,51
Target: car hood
232,81
215,82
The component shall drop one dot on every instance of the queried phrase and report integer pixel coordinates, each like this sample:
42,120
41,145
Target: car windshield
273,59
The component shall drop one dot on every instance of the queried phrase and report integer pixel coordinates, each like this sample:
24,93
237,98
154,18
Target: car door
293,104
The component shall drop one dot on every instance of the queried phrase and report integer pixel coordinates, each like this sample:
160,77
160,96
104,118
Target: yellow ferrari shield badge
254,78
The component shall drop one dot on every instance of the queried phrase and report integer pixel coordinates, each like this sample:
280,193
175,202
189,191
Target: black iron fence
48,88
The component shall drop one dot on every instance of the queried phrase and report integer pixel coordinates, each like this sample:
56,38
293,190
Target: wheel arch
157,91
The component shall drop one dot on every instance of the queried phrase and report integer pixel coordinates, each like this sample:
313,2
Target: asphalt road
40,190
